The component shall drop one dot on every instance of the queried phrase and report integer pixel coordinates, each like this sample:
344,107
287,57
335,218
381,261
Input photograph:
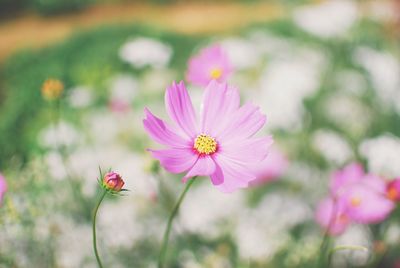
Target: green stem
175,210
94,229
348,247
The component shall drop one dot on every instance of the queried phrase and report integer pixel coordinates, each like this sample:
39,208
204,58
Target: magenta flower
220,145
3,187
331,215
210,64
271,168
393,190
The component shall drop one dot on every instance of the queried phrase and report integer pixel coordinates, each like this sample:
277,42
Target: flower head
210,64
112,181
221,144
359,197
52,89
3,187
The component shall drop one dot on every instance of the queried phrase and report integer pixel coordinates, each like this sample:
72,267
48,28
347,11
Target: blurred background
326,73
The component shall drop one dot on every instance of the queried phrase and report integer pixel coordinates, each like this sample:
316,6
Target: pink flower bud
113,181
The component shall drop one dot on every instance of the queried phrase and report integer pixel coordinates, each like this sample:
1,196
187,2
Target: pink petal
175,160
331,216
180,109
248,151
233,175
345,177
162,133
204,166
219,101
271,168
244,123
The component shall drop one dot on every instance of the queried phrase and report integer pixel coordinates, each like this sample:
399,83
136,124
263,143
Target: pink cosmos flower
366,202
3,187
393,190
331,215
221,144
210,64
361,198
271,168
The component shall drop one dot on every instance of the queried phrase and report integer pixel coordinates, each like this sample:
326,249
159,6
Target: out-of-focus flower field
326,74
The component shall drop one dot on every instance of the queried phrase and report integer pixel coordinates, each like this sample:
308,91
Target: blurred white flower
332,146
242,53
118,223
384,69
285,83
142,51
356,235
55,165
392,235
64,134
383,155
149,84
257,238
80,97
74,243
327,19
123,87
348,112
201,217
103,126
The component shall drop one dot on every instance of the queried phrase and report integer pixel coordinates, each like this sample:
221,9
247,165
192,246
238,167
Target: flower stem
94,229
175,210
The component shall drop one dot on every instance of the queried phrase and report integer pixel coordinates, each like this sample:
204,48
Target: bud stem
94,229
164,246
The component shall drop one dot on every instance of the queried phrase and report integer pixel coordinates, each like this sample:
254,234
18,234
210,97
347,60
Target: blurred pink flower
393,190
210,64
220,145
366,201
331,215
3,187
360,198
119,106
271,168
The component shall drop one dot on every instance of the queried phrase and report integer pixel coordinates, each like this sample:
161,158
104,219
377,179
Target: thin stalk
94,229
175,210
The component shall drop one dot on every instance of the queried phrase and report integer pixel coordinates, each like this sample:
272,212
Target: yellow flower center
216,73
392,193
355,201
205,144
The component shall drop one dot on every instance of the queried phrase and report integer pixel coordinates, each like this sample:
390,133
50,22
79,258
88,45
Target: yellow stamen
355,201
216,73
205,144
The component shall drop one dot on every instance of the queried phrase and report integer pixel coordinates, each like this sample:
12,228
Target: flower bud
112,181
52,89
